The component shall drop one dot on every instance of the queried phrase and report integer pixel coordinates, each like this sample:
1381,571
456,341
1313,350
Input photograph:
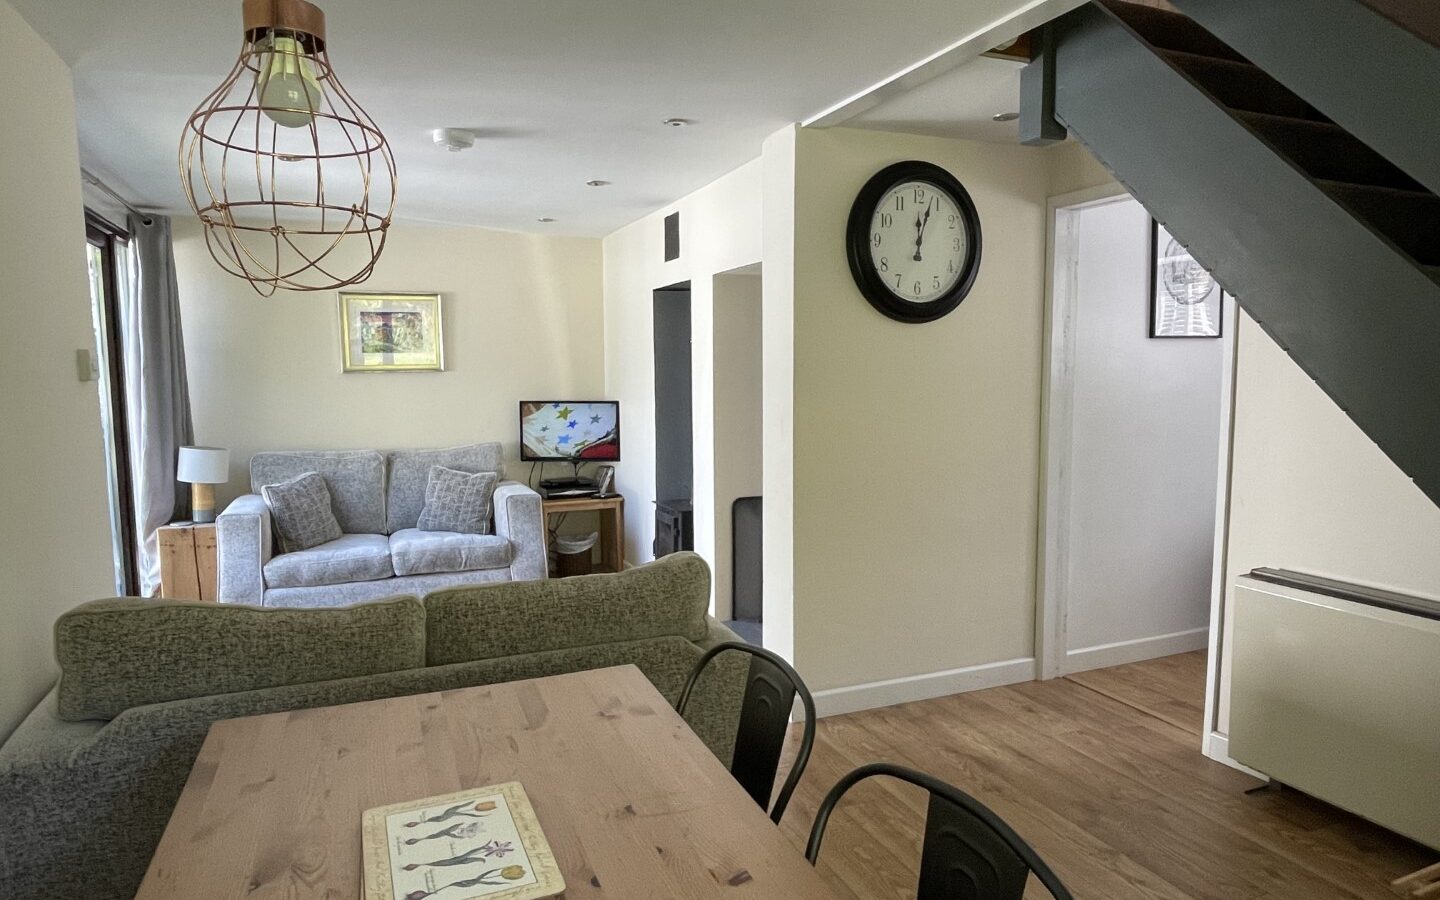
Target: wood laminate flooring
1171,688
1102,774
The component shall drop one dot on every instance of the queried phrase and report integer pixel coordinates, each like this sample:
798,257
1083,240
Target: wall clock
913,241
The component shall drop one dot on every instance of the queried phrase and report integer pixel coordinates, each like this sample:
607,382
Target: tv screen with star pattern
570,430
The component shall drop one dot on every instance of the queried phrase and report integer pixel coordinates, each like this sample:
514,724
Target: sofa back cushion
666,598
302,512
122,653
356,479
410,473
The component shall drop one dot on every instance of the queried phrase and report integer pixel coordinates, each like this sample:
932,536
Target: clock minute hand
921,235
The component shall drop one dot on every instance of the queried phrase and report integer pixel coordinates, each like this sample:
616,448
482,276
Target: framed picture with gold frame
391,332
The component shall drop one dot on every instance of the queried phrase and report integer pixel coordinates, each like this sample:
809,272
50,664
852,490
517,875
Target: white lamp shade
203,465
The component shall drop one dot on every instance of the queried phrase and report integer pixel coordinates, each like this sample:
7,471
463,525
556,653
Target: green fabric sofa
88,780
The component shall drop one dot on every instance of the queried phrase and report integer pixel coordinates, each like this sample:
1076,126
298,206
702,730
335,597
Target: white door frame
1209,745
1057,408
1057,400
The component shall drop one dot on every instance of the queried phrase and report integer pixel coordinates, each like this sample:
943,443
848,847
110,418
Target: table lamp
203,468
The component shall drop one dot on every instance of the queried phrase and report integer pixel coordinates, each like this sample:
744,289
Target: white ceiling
561,91
957,104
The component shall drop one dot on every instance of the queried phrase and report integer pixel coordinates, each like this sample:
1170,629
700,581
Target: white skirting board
875,694
1122,652
1216,746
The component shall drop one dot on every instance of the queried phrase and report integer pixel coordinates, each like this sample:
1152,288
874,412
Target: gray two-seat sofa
89,779
377,498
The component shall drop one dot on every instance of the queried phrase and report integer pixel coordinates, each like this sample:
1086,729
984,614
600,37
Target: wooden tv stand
611,509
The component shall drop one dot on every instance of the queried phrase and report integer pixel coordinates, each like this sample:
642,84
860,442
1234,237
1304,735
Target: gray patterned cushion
668,597
351,557
416,552
410,473
301,510
352,592
118,654
356,479
457,501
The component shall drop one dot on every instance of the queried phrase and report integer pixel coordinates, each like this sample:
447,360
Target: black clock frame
857,242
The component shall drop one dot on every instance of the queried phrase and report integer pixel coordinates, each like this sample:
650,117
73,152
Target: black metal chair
770,690
969,852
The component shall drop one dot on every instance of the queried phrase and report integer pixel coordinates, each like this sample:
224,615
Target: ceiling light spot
677,122
598,182
1005,117
453,139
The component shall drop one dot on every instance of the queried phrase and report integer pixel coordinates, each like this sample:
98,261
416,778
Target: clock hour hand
920,235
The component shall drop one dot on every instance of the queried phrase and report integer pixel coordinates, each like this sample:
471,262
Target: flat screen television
573,431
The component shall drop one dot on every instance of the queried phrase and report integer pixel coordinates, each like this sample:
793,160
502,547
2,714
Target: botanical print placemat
479,843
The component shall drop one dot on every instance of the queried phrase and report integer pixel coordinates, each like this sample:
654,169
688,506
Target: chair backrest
771,686
969,852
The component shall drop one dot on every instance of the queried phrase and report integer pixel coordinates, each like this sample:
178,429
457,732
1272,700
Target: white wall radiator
1335,691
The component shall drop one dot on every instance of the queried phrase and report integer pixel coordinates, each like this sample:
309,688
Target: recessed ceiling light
545,219
678,122
1005,117
598,182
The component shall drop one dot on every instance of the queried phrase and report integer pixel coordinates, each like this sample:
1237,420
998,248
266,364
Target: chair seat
416,552
351,557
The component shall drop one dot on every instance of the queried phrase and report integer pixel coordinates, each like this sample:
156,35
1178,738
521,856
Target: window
104,247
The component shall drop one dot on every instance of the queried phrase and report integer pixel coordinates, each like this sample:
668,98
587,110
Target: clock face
913,241
919,241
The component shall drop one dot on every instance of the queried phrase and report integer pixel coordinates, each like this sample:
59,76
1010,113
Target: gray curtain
156,388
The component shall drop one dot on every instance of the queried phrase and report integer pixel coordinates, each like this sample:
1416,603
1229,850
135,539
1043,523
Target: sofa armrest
243,538
520,517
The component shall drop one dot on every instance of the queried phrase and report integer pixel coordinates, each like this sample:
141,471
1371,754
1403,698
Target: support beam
1038,125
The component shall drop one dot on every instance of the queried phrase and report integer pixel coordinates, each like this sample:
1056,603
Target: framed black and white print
1185,300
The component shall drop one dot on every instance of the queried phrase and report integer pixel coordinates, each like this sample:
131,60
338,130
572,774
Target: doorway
1136,445
674,428
739,396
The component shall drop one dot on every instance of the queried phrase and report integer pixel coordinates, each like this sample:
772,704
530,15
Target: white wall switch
86,366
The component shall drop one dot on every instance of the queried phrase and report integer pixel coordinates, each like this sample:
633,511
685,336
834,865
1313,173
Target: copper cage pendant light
282,166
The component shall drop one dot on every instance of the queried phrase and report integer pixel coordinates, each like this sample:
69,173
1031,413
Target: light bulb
288,89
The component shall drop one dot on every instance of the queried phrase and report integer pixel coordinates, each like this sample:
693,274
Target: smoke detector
453,139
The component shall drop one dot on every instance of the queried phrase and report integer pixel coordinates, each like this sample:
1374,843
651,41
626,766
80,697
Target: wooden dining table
632,803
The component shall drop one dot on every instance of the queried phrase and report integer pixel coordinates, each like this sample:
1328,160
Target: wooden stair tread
1170,30
1326,151
1409,218
1241,85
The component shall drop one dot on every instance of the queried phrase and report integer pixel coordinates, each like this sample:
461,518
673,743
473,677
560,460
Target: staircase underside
1261,189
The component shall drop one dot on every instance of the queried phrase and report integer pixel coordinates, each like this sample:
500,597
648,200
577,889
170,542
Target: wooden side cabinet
187,561
611,509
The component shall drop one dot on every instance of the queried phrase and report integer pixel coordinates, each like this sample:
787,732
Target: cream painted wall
719,232
523,320
916,447
1309,491
739,405
1074,168
56,526
778,280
